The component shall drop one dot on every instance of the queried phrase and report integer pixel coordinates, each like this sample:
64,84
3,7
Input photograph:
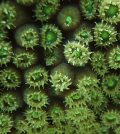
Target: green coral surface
59,66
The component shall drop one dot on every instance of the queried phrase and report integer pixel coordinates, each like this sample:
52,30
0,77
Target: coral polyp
20,124
109,11
77,98
27,36
69,18
60,82
7,15
87,81
36,77
6,52
61,78
97,100
89,8
51,36
114,58
80,115
111,118
46,9
104,34
76,54
84,34
111,84
99,63
53,57
10,102
6,123
24,59
57,114
36,118
35,98
116,98
9,78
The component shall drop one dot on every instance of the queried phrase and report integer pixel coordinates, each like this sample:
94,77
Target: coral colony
60,67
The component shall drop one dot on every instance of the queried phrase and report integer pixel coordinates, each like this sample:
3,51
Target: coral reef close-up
59,66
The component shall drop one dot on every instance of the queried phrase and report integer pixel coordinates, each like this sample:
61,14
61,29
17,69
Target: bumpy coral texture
60,67
9,78
7,15
51,36
6,53
36,77
76,54
109,11
69,18
46,9
27,36
105,34
24,59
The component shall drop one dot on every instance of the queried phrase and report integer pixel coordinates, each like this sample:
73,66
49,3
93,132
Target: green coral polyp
36,77
35,99
27,36
9,102
97,100
84,35
51,36
111,118
20,124
105,34
88,81
36,118
53,57
114,58
109,11
79,115
46,9
104,129
112,11
24,59
76,54
57,114
69,18
60,82
116,98
99,64
89,8
7,15
77,98
110,84
9,78
6,52
6,123
61,78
